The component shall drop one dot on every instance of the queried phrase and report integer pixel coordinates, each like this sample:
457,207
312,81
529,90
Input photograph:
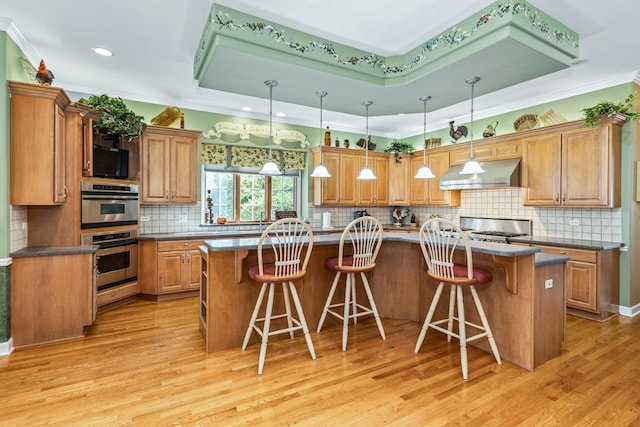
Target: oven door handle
105,197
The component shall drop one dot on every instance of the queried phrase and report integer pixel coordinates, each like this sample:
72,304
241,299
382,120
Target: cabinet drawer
575,254
179,245
116,293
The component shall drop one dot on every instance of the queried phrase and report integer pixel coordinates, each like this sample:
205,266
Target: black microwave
110,162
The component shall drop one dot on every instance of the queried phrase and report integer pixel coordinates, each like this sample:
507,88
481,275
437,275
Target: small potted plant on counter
398,215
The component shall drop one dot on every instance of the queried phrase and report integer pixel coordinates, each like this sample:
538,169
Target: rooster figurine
44,76
458,132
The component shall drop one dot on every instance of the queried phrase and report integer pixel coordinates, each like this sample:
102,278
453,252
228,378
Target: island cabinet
591,280
52,296
341,187
169,165
573,168
374,191
37,161
169,268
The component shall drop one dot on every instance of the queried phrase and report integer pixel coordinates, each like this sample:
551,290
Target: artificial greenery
398,147
591,116
115,117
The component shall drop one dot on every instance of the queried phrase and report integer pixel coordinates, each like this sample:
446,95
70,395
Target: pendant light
424,172
270,168
321,171
472,167
366,172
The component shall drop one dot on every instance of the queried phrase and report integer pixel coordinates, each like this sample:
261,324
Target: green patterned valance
248,157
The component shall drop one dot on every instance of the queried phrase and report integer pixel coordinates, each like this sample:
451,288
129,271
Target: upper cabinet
573,168
169,165
400,181
37,144
340,188
427,191
373,192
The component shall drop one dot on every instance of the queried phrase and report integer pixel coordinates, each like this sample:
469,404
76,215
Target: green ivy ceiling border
223,21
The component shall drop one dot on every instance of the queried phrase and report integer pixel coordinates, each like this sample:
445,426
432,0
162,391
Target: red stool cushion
347,261
270,270
480,275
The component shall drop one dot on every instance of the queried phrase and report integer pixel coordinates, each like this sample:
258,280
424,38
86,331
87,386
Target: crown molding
7,25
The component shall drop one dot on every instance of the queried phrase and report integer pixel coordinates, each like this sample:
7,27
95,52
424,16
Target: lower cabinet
169,267
117,293
591,281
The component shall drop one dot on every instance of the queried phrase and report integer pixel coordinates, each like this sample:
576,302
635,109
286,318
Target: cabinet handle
556,197
66,191
562,253
166,195
564,197
113,294
88,165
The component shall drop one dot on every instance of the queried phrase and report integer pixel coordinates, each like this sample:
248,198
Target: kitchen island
527,317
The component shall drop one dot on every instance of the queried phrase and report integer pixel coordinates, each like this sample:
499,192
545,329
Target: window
246,197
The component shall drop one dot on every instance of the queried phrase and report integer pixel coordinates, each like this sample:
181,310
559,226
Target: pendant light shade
366,172
472,166
270,167
424,172
321,171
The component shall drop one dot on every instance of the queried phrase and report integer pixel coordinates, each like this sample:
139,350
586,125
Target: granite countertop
332,239
546,259
53,250
568,243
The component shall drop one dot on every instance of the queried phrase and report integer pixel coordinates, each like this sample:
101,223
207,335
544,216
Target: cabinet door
60,187
183,173
418,187
581,284
439,164
327,190
155,156
193,270
347,175
381,184
585,167
541,170
171,271
399,181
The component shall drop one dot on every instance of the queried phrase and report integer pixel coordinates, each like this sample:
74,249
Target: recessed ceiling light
246,108
102,51
280,114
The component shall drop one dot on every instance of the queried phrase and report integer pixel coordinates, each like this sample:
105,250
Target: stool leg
287,307
345,319
354,300
452,303
328,303
462,333
427,320
265,332
485,324
372,303
254,316
303,321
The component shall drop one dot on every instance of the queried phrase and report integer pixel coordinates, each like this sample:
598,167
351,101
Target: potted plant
398,147
116,119
591,116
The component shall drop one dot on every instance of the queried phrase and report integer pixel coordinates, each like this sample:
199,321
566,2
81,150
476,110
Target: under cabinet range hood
499,174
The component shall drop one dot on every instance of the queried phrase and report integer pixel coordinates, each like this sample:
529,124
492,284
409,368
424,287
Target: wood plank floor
144,365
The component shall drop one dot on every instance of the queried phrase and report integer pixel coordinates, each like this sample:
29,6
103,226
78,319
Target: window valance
235,156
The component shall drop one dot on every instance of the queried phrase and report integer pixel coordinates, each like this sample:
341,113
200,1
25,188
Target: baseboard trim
630,311
6,347
5,261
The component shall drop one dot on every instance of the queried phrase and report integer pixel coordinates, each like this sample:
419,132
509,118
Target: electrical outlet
25,224
575,222
548,284
144,219
182,218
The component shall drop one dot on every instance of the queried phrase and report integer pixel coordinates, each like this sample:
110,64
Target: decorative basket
432,142
526,121
551,117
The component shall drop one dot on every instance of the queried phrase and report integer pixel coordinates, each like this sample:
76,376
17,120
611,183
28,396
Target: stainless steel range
495,229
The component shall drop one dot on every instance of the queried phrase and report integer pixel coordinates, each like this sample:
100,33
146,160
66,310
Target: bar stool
291,242
363,237
438,251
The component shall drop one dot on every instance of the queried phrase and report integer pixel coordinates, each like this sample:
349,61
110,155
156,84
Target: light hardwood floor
144,365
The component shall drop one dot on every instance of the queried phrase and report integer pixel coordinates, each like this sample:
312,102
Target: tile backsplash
592,224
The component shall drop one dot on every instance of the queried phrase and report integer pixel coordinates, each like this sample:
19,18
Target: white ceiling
155,41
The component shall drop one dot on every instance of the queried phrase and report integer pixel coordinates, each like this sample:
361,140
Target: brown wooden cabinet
340,188
375,191
52,297
169,166
37,145
487,150
591,281
169,267
400,181
439,164
574,168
